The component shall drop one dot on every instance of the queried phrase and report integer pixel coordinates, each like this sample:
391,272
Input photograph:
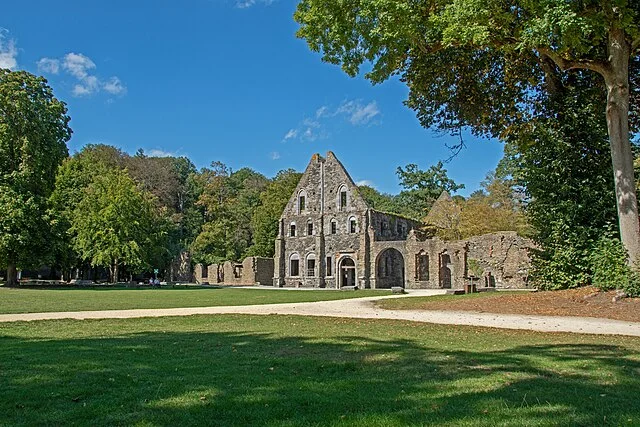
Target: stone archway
347,270
445,270
389,269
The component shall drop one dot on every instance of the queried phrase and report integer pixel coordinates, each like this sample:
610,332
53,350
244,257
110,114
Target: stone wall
503,259
252,271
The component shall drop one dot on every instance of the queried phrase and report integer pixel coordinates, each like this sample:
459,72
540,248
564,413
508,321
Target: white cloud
365,182
353,111
48,65
81,68
275,155
114,86
291,134
244,4
8,51
156,152
359,114
78,65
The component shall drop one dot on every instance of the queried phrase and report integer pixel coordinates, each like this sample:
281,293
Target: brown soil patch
581,302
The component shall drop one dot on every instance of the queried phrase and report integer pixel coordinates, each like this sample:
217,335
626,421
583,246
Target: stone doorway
390,269
347,270
445,271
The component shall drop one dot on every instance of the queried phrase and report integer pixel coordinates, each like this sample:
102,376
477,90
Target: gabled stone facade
327,229
329,237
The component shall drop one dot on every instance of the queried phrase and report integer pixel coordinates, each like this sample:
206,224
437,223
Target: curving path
364,308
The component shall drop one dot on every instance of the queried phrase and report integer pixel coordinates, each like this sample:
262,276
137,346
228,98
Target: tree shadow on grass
225,378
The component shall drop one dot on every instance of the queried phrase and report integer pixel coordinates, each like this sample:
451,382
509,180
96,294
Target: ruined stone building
330,238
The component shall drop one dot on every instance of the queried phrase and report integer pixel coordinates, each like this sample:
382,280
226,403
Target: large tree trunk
617,81
12,275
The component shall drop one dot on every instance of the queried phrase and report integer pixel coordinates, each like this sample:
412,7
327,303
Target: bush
609,265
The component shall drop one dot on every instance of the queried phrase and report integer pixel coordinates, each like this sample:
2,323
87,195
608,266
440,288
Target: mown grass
46,300
297,371
417,303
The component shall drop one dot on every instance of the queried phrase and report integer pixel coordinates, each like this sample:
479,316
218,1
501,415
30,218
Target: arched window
422,266
310,228
302,201
353,224
343,197
334,226
311,265
294,265
292,229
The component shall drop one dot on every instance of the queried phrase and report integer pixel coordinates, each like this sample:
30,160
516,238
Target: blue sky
220,80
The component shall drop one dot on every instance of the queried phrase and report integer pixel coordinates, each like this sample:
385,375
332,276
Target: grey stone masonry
329,237
327,229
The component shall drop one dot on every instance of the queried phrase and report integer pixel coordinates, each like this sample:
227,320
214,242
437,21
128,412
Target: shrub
609,265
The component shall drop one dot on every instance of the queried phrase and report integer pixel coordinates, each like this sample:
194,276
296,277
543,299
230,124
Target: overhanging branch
571,64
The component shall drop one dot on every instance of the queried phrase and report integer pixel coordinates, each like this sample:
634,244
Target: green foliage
264,220
34,129
562,161
422,188
116,224
380,201
229,200
475,268
609,266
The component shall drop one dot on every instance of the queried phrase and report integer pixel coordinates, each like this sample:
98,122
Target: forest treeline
133,213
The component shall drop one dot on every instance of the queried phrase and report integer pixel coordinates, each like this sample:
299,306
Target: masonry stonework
329,237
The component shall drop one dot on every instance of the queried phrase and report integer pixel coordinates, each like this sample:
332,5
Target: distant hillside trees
34,129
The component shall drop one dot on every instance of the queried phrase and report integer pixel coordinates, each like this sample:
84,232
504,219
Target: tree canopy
34,130
485,64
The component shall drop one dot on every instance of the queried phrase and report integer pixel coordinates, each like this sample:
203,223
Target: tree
34,129
229,200
562,160
264,220
483,64
116,224
380,201
422,188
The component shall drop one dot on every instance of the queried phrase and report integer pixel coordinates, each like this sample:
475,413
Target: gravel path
364,308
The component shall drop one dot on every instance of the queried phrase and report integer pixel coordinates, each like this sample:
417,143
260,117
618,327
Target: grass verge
294,371
48,300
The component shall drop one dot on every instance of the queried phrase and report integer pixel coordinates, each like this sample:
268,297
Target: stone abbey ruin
330,238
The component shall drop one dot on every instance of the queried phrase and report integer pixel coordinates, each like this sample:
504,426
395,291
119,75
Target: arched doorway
347,269
390,269
445,271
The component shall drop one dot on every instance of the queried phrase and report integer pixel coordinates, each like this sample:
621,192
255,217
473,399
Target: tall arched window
310,228
292,229
352,224
294,265
311,265
302,201
343,197
334,226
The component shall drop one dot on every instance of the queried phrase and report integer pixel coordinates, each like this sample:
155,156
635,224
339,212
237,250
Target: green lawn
299,371
45,300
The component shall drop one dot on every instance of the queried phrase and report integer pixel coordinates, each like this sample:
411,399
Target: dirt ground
581,302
